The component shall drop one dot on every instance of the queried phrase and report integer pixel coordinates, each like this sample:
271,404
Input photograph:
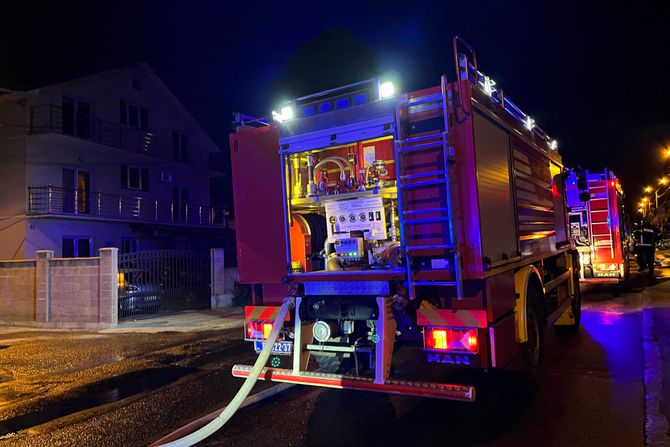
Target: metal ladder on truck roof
600,216
410,110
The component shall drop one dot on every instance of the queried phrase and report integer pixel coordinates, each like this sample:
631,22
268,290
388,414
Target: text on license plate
280,347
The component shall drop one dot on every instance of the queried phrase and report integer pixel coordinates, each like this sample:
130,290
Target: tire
532,352
333,364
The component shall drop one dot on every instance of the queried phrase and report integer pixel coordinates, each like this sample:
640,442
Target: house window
130,245
76,117
180,149
133,177
134,116
76,246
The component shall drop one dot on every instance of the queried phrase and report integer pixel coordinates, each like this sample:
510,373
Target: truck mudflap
464,393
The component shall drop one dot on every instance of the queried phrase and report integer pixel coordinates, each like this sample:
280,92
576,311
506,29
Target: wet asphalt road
593,393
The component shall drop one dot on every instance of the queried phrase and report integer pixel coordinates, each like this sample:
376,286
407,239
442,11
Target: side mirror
584,196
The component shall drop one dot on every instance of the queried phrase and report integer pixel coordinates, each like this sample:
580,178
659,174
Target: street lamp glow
647,189
663,181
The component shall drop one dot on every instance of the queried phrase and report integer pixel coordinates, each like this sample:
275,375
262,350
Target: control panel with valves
354,168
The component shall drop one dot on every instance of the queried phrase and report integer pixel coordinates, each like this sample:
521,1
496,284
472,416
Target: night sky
591,74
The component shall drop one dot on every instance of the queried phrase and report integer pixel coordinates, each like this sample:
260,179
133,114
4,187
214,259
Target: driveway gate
158,281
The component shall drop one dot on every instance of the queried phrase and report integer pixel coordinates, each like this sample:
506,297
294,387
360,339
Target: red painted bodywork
261,250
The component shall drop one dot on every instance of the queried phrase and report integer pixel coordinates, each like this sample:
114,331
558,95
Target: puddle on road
101,393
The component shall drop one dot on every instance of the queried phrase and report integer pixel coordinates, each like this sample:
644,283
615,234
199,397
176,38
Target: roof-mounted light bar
489,87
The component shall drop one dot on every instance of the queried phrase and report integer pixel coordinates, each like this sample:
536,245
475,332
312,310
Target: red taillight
450,339
259,330
554,190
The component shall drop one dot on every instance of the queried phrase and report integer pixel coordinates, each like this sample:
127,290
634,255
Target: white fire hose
248,384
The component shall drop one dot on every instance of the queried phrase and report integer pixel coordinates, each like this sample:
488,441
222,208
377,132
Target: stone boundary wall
17,290
69,293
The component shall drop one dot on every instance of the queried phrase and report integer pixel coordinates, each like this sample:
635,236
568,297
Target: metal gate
159,281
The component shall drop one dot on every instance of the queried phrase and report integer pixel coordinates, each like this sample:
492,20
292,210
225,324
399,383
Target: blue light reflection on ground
619,335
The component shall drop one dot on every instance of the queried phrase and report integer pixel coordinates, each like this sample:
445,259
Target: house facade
108,160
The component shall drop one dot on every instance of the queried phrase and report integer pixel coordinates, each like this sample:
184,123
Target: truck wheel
533,350
333,363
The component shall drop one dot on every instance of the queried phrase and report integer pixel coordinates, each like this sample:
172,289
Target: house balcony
73,203
49,118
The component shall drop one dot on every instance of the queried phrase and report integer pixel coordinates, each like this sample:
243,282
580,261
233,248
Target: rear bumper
422,389
600,280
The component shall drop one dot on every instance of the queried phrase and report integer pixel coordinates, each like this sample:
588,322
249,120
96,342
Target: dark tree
333,58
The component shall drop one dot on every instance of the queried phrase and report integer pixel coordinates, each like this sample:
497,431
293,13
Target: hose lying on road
248,384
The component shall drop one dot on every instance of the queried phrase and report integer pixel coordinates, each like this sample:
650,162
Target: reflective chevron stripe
262,313
444,317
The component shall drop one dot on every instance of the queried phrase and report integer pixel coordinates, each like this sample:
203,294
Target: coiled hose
244,391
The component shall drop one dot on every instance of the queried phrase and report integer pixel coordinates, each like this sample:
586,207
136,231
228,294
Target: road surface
604,386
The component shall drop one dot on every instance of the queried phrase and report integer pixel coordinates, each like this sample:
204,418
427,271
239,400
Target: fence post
219,299
43,282
109,288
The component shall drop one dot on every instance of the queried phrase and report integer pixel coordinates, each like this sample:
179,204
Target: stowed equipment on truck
423,232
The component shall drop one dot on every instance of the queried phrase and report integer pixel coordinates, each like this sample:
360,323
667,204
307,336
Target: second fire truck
598,226
419,234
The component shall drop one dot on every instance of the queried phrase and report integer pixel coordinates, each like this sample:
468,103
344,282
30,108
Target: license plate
280,347
606,274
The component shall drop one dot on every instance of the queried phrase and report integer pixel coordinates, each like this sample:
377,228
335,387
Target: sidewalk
187,321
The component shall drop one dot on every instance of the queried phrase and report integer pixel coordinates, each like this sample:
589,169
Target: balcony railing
49,118
61,201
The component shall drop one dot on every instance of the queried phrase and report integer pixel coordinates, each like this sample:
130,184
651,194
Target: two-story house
108,160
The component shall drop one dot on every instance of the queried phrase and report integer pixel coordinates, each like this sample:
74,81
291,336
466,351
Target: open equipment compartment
340,184
342,208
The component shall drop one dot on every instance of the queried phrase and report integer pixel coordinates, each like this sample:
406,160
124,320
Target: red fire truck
420,234
598,226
